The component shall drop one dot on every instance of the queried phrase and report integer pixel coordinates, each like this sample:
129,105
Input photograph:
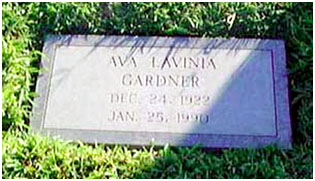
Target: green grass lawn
28,155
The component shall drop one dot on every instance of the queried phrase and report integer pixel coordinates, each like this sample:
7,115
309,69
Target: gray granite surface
182,91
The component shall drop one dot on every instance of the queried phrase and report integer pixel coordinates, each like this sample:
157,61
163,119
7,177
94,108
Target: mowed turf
28,155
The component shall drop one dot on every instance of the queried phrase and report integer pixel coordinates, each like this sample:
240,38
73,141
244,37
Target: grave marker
182,91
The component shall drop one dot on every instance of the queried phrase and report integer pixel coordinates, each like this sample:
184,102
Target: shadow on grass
199,163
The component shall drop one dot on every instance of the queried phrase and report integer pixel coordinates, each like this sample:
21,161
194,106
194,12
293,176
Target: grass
28,155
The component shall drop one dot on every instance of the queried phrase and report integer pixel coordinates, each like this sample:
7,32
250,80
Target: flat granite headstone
134,90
